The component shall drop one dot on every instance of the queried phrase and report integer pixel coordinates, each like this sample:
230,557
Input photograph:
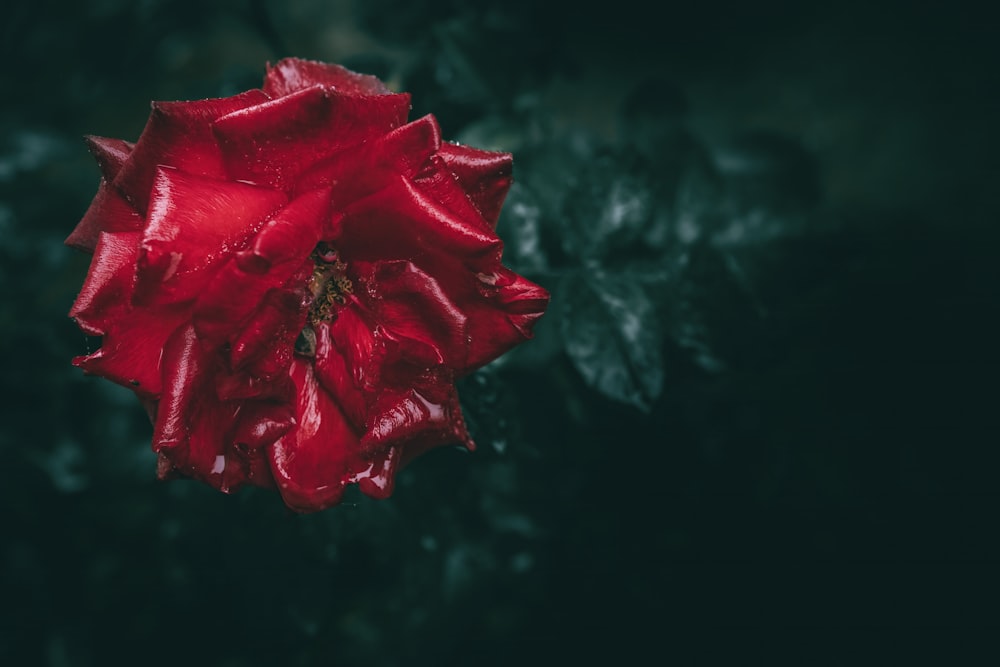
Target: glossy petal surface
312,465
108,212
293,74
193,223
270,144
179,135
485,176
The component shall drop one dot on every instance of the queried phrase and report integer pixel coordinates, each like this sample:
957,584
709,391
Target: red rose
291,279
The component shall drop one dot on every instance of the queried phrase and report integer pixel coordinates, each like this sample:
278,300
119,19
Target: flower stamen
329,284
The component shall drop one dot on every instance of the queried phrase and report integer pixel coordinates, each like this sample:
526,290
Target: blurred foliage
757,408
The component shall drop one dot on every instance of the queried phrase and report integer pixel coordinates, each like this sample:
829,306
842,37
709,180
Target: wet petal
194,222
312,463
401,222
178,134
501,314
108,212
291,75
470,316
263,347
277,252
249,465
109,153
438,183
499,307
416,420
270,144
359,171
334,368
107,290
377,479
133,339
412,306
484,175
260,423
130,352
192,427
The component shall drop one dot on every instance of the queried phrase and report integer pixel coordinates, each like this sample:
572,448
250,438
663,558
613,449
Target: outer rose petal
501,315
190,429
485,176
106,292
292,75
270,144
418,419
108,212
499,306
245,465
401,222
179,134
438,183
221,442
133,339
110,154
131,350
313,463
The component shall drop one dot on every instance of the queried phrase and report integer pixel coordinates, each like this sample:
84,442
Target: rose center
329,286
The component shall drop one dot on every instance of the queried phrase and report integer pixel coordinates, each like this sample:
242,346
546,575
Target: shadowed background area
758,422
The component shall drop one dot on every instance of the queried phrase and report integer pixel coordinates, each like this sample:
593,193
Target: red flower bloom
291,279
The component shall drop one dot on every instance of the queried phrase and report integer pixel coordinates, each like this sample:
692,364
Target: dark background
757,426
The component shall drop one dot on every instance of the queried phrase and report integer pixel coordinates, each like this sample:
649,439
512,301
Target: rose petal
359,171
260,423
263,348
233,386
193,223
312,464
378,478
401,222
131,349
108,212
179,134
291,75
276,253
500,313
186,361
412,306
485,176
247,465
439,184
109,153
416,420
270,144
132,341
107,290
499,307
192,427
335,366
360,345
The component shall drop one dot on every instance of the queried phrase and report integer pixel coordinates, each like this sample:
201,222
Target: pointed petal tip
109,153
